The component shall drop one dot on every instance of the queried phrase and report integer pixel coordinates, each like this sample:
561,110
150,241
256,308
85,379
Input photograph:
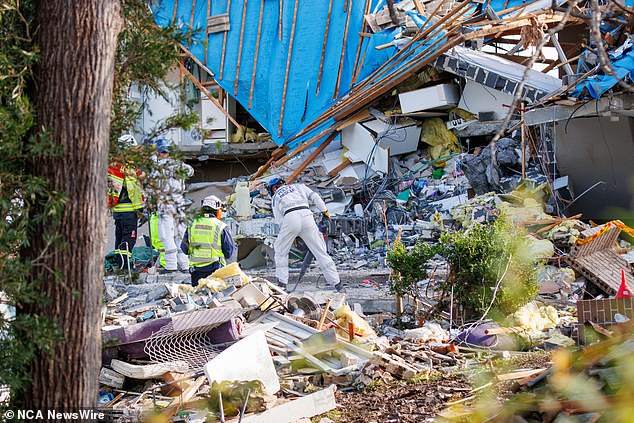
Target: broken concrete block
110,292
346,359
357,308
111,378
157,293
393,365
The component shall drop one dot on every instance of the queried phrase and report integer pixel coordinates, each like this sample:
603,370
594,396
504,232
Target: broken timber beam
279,151
255,56
208,94
323,48
355,68
387,68
175,11
296,151
489,31
190,55
339,168
218,23
316,152
207,32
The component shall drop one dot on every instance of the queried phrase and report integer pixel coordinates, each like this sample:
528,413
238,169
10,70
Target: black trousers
199,273
125,235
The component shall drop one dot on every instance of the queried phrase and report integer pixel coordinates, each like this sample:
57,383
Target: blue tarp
595,86
271,66
303,104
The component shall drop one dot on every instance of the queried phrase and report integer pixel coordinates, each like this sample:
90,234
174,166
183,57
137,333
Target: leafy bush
490,265
492,269
409,266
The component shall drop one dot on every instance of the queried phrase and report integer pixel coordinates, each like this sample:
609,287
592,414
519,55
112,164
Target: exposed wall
598,149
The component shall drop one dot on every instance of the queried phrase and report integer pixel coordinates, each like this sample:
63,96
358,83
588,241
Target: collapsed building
407,117
419,89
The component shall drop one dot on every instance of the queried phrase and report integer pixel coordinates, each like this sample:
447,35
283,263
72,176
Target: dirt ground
404,402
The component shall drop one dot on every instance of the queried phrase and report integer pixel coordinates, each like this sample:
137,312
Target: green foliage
144,57
481,258
25,201
409,266
597,380
490,264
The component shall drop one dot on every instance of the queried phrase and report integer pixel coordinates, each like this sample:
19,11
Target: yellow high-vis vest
156,241
132,186
205,241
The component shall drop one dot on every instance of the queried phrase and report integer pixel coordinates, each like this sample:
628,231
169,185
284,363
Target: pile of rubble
238,346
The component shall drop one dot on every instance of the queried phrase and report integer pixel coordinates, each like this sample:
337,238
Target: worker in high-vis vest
125,200
208,241
155,240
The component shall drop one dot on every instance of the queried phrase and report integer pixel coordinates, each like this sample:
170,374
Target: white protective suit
171,207
291,208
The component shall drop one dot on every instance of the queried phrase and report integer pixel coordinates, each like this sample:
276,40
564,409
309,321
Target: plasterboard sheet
337,208
253,350
305,407
348,176
332,159
478,98
361,145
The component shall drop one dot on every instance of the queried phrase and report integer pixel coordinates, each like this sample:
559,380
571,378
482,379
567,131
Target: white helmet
128,140
212,202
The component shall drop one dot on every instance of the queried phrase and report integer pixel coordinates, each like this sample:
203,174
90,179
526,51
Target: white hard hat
128,140
212,202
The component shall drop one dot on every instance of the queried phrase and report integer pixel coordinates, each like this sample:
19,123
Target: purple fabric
227,332
476,336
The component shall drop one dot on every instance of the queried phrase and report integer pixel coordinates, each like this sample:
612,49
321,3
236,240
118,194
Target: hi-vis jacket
205,241
155,240
124,189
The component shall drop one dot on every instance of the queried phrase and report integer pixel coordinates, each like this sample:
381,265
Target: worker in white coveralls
291,209
170,180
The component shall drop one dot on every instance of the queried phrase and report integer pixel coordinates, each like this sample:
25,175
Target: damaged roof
288,63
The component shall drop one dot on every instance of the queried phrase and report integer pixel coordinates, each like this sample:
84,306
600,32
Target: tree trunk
73,98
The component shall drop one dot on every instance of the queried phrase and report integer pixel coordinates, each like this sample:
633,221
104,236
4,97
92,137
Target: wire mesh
186,337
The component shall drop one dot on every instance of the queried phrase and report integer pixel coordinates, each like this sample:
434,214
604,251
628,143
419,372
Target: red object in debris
624,289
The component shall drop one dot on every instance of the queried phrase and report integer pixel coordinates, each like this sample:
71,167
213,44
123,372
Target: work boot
279,283
167,272
339,287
